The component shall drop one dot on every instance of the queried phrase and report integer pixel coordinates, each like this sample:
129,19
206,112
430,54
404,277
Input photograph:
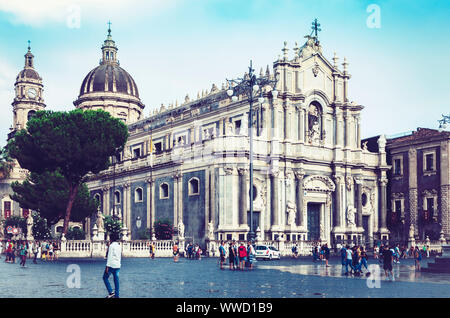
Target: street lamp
252,86
443,122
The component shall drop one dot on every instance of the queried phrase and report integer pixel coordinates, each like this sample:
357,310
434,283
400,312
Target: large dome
110,88
109,78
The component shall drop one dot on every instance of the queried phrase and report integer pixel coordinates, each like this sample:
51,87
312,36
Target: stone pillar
383,203
274,202
445,188
413,193
126,212
347,130
301,124
243,195
359,222
358,137
339,132
178,194
338,199
106,208
299,193
149,203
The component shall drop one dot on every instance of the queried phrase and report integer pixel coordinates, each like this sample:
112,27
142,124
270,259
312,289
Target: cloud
40,13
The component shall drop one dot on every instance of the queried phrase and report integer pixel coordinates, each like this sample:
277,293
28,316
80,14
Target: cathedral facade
189,163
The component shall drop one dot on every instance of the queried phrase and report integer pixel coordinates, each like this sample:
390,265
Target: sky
398,51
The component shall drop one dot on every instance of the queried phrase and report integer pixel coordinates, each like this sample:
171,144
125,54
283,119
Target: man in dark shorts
231,255
222,254
388,258
326,253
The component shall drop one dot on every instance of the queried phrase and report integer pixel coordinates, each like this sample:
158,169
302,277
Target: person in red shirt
242,250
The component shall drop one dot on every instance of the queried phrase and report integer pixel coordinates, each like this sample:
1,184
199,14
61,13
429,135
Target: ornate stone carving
180,230
349,182
351,211
100,222
318,183
291,210
228,170
243,171
299,173
315,69
211,231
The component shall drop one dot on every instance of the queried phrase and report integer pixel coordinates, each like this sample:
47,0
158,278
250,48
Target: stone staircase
441,264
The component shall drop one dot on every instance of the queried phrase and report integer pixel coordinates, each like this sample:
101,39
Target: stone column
358,137
413,193
178,179
127,205
383,203
149,182
299,174
445,188
338,199
359,202
301,124
347,131
274,202
243,195
105,190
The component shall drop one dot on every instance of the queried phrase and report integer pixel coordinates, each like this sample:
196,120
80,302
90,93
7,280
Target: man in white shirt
113,266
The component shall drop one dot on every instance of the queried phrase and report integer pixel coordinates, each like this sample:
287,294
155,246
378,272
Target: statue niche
314,123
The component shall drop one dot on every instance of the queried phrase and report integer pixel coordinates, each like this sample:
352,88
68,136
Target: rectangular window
398,206
7,209
158,147
429,162
237,127
136,153
430,206
397,167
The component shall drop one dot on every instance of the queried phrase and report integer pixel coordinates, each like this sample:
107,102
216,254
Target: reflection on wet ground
404,271
163,278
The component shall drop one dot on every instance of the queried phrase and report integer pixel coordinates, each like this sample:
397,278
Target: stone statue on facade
180,229
210,230
100,222
30,226
411,231
127,153
230,129
351,215
291,212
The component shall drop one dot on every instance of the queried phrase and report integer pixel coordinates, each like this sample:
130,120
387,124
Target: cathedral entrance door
313,214
365,222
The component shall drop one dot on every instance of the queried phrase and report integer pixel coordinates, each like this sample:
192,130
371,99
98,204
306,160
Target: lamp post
252,86
444,121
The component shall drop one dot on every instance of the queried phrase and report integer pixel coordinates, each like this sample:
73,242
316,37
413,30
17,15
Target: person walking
175,252
348,260
236,256
23,253
326,254
152,250
222,254
242,255
251,254
231,255
113,262
343,256
35,250
364,259
418,258
388,258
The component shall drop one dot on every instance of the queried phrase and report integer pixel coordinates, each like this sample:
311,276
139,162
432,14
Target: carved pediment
318,183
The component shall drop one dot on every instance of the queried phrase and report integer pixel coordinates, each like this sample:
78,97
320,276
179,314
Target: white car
267,252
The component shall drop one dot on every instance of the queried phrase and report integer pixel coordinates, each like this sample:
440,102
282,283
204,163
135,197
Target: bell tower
28,94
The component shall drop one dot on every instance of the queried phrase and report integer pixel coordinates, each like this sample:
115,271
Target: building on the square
188,163
419,184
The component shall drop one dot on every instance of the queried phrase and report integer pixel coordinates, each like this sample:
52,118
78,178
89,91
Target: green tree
41,230
75,234
163,229
6,163
48,193
73,143
113,226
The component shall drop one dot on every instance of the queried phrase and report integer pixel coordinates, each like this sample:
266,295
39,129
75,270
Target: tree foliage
17,222
48,193
41,230
113,226
6,163
163,229
73,143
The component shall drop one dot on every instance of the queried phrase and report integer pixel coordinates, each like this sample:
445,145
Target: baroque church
189,163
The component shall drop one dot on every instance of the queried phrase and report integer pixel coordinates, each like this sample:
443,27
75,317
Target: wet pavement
163,278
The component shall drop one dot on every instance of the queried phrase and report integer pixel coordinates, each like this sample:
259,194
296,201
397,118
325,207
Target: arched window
30,114
194,186
164,191
138,195
117,197
97,197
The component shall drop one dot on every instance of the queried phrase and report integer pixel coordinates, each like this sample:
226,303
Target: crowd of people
239,256
46,250
193,251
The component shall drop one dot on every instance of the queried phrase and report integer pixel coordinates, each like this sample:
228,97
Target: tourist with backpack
242,255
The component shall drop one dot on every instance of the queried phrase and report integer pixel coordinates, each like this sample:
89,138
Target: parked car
267,252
